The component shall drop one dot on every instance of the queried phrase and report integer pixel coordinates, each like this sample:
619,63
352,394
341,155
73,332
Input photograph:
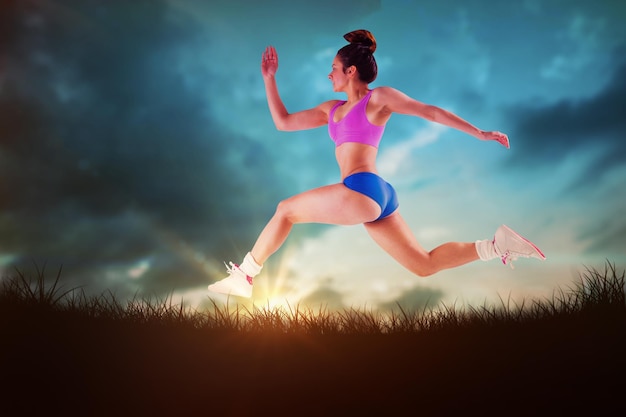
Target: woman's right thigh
331,204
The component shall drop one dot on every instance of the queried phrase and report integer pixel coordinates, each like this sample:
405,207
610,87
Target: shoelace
508,258
231,269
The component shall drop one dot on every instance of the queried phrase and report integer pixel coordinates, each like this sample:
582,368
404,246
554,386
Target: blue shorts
373,186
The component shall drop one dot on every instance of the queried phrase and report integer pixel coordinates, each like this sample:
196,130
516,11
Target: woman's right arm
306,119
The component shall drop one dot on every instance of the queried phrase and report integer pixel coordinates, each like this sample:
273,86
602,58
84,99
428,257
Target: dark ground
58,364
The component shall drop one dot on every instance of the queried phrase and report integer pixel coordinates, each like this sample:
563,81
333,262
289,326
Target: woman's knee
425,267
425,272
284,210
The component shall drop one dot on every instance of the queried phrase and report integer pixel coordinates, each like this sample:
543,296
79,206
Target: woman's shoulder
327,106
382,98
384,92
391,99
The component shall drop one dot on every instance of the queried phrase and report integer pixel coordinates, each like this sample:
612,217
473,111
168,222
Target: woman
356,126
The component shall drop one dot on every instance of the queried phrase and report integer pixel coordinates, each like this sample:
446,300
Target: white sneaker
237,283
509,246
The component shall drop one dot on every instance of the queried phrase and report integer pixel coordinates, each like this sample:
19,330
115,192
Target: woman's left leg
394,235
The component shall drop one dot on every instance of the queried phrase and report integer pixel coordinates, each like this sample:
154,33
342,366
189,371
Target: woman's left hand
499,137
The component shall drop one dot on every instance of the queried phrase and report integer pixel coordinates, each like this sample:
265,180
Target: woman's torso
353,156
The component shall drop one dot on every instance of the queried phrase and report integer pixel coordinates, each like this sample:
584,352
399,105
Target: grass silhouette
65,353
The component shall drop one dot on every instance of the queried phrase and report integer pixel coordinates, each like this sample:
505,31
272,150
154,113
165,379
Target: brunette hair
360,53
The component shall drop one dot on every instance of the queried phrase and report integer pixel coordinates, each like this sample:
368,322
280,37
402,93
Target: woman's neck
356,92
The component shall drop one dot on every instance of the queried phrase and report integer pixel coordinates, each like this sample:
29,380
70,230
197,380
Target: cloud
582,39
247,18
114,161
580,145
397,159
415,300
547,134
325,298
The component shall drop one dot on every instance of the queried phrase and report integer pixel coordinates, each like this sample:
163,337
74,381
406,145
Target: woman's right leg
331,204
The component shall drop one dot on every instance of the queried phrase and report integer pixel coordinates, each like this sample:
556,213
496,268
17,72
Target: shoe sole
229,293
514,233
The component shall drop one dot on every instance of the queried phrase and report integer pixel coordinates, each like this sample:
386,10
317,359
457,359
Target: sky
137,152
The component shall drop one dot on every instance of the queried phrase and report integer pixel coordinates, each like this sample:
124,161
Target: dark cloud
607,237
108,157
325,297
593,128
547,134
416,300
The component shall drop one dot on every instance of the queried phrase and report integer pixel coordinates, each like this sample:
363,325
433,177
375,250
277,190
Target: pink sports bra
354,127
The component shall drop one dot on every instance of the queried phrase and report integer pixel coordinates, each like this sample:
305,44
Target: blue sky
138,153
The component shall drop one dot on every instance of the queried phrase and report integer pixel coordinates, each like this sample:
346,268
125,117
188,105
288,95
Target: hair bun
362,37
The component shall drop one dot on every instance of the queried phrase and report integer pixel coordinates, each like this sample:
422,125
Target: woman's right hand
269,63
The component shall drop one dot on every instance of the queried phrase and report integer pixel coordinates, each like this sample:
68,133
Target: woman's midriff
356,157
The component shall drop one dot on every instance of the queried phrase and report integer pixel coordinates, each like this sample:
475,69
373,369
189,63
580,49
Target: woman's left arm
397,102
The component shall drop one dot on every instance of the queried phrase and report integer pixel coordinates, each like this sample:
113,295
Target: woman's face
337,76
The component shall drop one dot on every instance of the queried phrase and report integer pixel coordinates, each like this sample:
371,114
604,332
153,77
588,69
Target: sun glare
273,285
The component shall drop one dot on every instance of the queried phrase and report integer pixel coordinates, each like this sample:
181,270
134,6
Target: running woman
356,127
